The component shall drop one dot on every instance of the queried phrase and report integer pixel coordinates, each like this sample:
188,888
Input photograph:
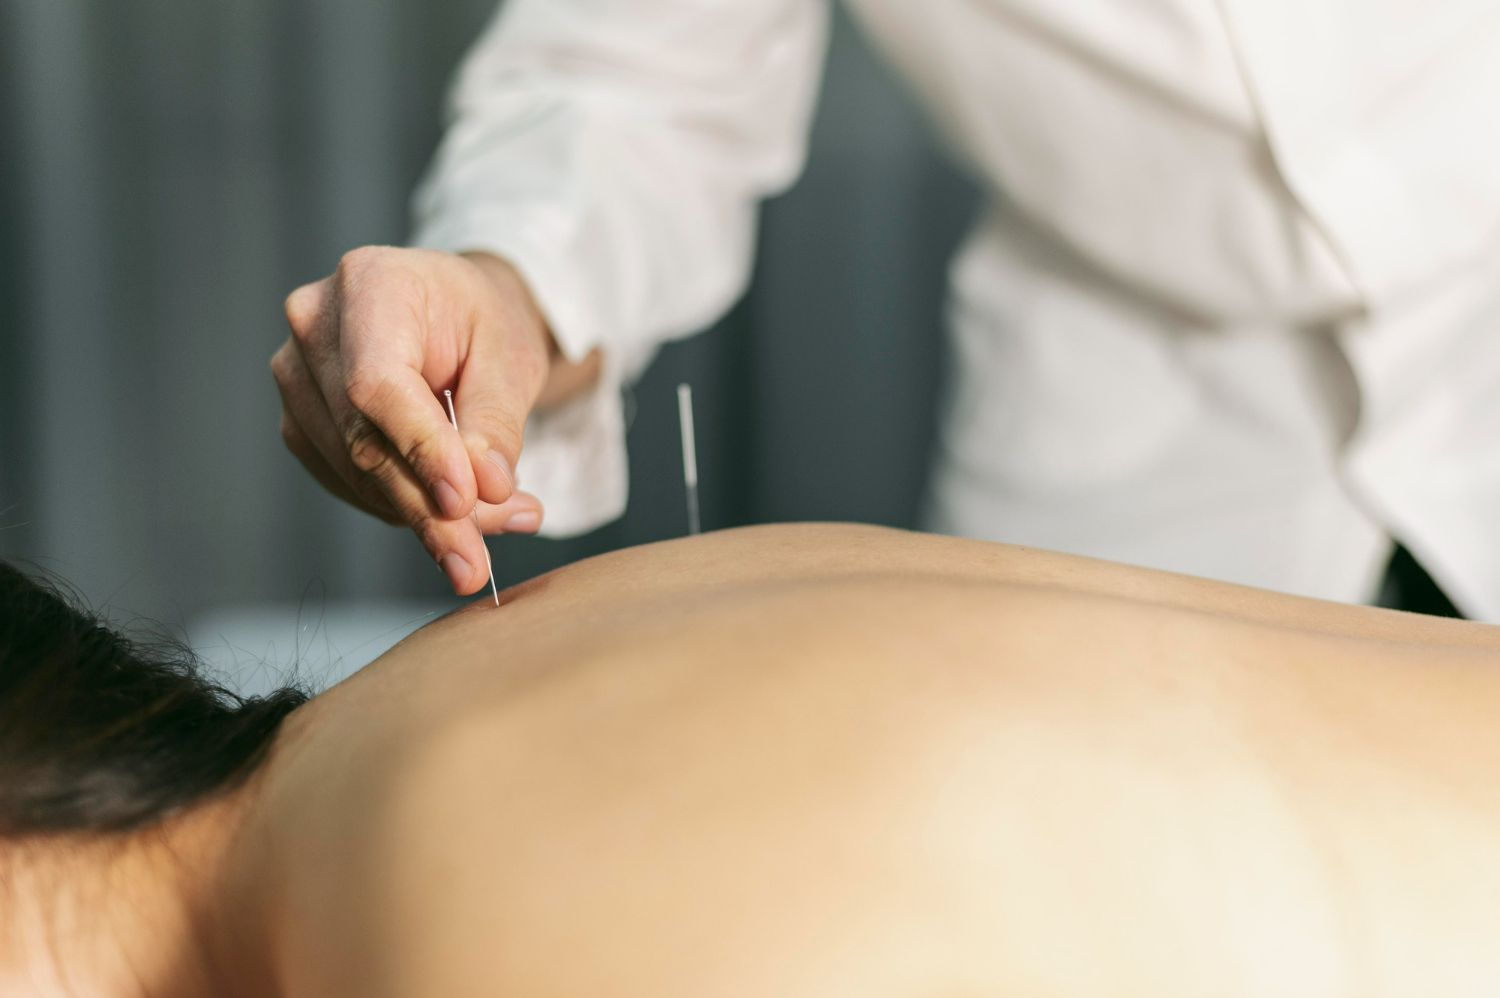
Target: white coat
1233,308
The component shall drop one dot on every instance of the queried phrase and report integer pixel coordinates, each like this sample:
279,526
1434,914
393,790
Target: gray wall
170,169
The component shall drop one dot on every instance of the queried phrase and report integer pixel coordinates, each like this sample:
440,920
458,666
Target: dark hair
102,733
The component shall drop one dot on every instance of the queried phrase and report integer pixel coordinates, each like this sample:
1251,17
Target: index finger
400,403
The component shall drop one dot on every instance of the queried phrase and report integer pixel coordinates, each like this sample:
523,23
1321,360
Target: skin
823,760
372,348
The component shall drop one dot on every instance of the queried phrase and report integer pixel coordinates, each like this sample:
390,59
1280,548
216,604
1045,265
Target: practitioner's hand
372,347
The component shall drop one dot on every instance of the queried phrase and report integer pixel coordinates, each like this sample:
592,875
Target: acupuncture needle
453,418
689,454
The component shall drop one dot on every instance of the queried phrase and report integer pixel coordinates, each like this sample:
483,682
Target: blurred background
170,169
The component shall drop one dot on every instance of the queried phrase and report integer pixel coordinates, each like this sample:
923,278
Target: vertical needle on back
689,454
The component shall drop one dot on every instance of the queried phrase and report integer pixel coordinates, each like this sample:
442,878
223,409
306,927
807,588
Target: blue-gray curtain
170,169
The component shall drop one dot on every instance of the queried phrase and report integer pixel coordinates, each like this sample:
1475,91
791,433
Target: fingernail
498,460
458,570
448,500
525,522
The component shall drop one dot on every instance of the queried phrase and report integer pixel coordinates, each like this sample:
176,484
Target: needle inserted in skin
453,418
689,454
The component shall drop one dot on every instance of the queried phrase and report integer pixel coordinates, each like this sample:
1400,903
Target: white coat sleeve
615,151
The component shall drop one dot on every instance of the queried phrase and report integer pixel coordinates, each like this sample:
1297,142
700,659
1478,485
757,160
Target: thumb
496,390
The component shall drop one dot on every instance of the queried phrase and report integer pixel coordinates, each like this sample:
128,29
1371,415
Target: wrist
565,379
516,293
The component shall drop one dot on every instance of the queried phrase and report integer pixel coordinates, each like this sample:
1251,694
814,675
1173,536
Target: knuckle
379,278
359,261
298,307
290,435
280,365
306,331
424,453
368,450
506,425
365,387
375,501
429,532
367,490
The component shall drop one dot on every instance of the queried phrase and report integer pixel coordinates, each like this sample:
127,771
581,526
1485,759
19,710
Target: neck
166,912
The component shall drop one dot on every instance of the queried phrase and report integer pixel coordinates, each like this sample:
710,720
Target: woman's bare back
814,760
